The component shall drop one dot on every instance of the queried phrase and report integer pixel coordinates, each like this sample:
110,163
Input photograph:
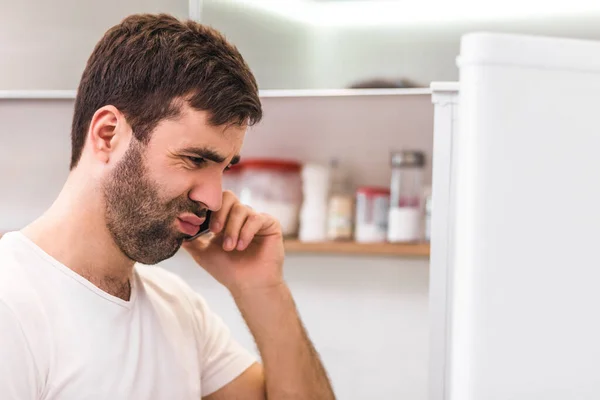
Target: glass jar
274,187
406,190
372,205
340,208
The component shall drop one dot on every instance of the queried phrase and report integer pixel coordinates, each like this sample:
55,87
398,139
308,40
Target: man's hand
245,254
245,250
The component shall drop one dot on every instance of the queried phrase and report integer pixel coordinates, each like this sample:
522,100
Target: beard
140,222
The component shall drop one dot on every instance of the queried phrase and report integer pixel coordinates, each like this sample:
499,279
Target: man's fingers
257,225
254,223
237,218
218,219
235,225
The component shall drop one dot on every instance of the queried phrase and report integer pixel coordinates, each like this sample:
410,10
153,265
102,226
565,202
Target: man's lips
190,223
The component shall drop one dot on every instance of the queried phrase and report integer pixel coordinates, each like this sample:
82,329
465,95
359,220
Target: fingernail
240,244
228,243
216,227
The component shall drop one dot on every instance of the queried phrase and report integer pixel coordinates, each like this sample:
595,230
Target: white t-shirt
62,338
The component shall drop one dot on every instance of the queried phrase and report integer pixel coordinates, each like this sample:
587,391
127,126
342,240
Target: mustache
184,204
200,213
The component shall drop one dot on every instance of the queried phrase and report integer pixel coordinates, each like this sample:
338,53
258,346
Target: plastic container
406,190
274,187
313,214
372,206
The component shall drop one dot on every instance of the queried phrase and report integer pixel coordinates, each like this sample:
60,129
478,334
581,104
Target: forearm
292,366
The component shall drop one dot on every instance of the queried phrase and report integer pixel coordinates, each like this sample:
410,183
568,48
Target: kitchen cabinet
358,127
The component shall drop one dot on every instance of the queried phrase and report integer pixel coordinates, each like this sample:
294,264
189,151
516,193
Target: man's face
155,188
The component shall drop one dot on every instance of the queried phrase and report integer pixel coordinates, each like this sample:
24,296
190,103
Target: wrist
271,315
274,290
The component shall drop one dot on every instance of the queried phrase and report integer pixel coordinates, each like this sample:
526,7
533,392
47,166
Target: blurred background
334,163
290,44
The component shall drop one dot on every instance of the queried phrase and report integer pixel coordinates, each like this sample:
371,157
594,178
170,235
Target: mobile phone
204,228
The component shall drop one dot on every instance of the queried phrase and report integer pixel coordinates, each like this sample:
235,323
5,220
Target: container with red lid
372,207
272,186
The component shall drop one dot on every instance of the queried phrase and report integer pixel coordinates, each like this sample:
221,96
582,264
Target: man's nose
208,191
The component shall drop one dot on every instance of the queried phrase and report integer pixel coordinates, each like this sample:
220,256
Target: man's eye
227,168
197,160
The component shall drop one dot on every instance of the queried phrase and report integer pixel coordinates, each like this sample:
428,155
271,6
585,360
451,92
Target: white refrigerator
515,271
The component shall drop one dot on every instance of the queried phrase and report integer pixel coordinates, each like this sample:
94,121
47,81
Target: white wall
290,55
360,131
367,316
343,56
422,54
45,44
278,50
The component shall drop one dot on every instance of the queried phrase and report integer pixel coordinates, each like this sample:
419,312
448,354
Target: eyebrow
210,154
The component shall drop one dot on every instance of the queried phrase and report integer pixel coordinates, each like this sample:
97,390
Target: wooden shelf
353,248
293,246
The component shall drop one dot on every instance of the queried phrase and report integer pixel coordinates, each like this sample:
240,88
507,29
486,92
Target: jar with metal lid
406,188
274,187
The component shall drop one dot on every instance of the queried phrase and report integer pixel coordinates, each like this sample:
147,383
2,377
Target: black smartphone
204,228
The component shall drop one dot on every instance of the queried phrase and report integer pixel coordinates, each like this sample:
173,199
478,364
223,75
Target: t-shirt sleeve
222,358
18,373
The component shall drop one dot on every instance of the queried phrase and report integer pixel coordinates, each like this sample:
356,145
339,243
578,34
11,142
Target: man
161,113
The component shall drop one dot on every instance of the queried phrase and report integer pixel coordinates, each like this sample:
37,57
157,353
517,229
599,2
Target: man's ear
109,134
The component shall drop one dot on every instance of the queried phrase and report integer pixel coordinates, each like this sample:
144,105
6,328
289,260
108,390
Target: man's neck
74,232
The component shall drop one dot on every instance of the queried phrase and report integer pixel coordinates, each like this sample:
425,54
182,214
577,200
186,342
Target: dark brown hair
145,64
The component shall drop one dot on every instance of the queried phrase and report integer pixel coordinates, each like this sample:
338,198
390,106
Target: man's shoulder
20,296
15,283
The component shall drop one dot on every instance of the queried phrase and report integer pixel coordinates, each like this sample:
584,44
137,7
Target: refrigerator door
444,96
525,318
